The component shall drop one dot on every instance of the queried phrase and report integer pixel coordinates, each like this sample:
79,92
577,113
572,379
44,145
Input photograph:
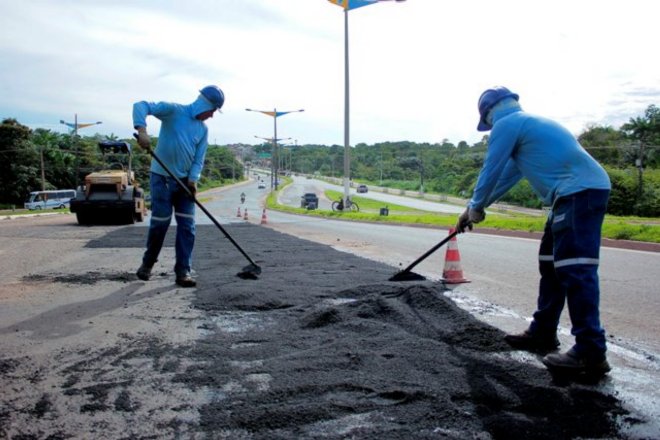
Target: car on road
261,185
362,189
309,201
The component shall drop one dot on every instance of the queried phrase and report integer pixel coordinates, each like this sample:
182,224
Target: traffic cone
264,220
245,217
452,273
238,214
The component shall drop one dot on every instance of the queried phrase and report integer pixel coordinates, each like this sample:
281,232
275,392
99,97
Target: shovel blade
406,275
249,272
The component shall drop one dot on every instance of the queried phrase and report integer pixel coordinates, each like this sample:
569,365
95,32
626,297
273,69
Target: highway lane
291,194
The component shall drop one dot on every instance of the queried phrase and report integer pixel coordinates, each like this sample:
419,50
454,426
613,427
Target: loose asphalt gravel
320,346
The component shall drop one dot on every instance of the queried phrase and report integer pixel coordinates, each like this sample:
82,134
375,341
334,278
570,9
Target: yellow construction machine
113,195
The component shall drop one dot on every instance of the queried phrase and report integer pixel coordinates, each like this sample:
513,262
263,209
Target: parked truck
110,195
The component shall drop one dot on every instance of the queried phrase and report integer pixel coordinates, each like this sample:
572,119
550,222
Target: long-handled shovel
248,272
407,275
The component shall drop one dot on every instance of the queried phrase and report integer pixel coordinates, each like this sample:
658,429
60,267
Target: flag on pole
74,126
274,114
353,4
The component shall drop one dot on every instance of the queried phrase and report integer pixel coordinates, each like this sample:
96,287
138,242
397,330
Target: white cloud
417,67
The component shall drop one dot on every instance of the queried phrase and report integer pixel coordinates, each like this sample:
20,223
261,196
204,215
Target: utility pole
381,164
639,163
421,175
421,172
43,171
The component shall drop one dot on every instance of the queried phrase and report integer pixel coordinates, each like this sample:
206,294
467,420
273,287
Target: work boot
529,341
572,362
144,272
185,280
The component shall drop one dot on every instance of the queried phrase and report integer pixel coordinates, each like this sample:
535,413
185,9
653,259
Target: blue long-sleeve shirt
183,139
540,150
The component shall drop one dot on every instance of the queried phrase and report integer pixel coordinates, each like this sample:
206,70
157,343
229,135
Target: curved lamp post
275,114
74,126
348,5
273,141
74,132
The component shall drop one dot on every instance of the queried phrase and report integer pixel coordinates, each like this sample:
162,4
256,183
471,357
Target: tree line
40,159
630,154
34,159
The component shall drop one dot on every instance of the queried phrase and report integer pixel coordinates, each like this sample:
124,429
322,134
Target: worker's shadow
70,319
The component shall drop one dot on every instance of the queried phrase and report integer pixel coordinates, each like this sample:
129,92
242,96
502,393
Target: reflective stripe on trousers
166,195
568,263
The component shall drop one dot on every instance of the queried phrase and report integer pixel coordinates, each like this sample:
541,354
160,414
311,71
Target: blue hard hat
214,96
487,101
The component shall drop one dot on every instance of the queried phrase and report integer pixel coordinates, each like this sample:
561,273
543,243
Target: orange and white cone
264,220
245,217
452,273
238,214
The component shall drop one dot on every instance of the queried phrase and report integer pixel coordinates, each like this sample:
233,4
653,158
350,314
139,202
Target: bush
623,192
625,198
522,194
649,204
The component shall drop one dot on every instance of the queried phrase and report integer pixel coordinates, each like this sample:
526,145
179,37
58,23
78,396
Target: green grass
618,228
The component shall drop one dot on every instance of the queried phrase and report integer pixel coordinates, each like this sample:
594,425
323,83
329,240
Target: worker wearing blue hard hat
182,144
576,188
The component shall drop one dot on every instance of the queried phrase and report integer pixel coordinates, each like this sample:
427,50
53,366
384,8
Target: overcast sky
417,67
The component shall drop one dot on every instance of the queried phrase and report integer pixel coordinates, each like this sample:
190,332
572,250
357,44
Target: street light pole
74,132
276,152
273,141
347,143
75,125
275,114
348,5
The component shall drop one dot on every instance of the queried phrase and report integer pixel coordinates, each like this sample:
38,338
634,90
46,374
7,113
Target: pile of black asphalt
321,345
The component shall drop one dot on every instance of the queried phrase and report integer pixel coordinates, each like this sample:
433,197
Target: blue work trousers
568,262
166,196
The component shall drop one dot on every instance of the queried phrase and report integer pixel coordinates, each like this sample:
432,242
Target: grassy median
618,228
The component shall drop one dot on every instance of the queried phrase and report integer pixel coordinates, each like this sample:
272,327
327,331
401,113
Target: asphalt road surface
321,346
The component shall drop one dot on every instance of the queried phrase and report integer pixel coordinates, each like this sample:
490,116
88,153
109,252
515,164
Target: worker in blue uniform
182,144
576,187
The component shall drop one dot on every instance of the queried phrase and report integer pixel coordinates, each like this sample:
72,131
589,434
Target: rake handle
430,251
